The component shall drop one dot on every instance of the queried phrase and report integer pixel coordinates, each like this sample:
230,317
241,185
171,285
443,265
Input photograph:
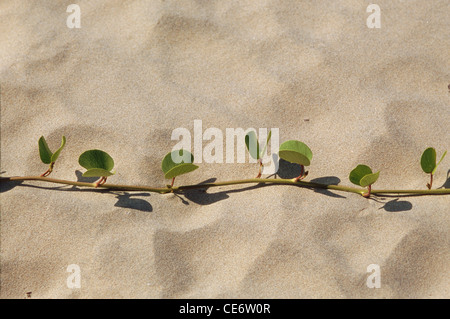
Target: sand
137,70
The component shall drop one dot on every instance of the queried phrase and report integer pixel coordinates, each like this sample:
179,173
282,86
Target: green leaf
369,179
295,152
97,172
357,174
443,155
267,143
96,159
56,154
252,144
181,165
44,151
428,160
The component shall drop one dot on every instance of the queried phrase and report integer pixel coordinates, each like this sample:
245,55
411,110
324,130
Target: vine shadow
124,199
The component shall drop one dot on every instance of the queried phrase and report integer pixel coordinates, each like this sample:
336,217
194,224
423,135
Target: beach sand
137,70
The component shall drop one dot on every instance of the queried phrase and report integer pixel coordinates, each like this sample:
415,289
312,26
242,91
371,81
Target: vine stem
164,190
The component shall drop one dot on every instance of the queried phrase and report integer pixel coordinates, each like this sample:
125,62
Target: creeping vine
178,162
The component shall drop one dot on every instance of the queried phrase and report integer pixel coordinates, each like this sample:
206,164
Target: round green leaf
428,160
177,163
180,170
295,152
358,173
96,159
252,143
97,172
56,154
44,151
369,179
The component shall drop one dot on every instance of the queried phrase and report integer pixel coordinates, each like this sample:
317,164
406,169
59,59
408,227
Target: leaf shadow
447,182
125,201
7,186
397,206
81,178
202,197
288,170
327,180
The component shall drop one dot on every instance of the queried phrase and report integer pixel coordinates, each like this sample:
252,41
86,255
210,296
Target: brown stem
50,169
260,167
367,195
100,182
173,181
431,181
46,173
302,174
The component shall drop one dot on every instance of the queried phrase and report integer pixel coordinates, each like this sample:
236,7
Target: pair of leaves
253,147
97,163
362,175
428,160
47,157
178,162
295,152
